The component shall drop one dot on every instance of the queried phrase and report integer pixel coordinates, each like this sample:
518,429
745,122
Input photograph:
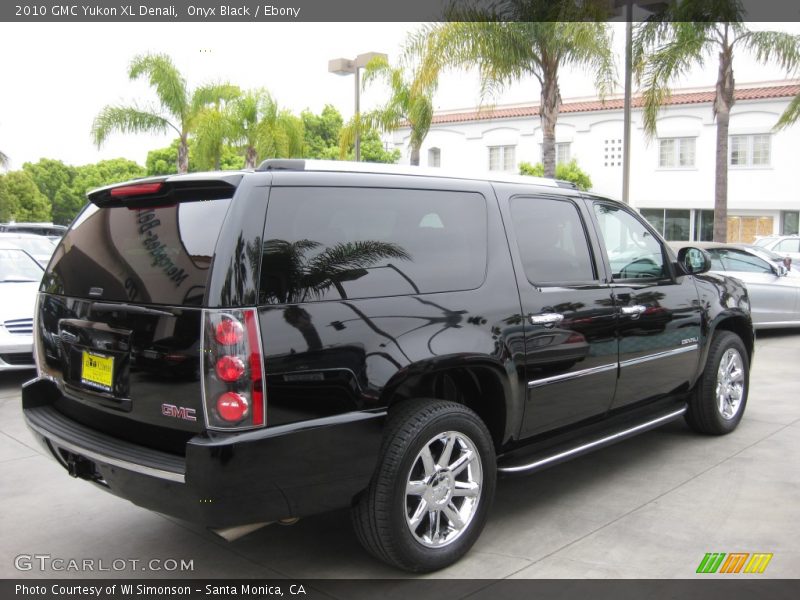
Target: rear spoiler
166,191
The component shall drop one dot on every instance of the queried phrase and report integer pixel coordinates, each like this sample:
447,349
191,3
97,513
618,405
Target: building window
749,150
744,230
790,221
612,153
563,154
672,224
434,157
704,225
502,158
676,152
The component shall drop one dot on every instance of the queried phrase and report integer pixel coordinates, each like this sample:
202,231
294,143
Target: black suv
247,347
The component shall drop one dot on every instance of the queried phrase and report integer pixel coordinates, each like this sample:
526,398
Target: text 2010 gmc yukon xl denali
244,347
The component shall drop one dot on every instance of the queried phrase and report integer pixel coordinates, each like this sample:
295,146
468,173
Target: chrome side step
586,447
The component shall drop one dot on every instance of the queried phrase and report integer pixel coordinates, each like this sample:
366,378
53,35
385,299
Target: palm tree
410,103
682,37
178,108
255,122
210,132
4,160
528,39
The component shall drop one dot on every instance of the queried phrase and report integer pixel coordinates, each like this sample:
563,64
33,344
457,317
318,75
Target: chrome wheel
730,384
443,489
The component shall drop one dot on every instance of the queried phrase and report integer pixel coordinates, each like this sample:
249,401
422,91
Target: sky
58,76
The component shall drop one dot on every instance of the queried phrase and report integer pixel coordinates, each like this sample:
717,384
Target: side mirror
781,271
694,261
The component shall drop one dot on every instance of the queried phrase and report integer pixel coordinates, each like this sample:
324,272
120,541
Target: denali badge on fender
179,412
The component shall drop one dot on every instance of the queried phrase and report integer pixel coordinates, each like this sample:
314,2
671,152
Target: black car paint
327,401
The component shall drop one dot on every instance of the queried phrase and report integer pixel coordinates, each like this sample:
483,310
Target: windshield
15,265
763,241
33,245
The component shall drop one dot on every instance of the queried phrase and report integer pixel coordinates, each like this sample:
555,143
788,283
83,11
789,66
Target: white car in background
40,247
20,276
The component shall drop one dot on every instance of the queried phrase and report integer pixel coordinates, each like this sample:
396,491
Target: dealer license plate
98,371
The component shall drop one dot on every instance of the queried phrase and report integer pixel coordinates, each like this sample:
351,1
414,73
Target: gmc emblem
179,412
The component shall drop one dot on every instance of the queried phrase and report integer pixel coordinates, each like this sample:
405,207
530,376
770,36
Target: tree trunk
723,102
183,155
250,158
548,112
415,155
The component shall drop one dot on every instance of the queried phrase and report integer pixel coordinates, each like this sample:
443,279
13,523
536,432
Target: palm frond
773,47
791,115
169,84
4,160
664,52
127,119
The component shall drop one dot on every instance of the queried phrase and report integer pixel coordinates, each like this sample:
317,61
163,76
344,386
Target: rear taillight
233,385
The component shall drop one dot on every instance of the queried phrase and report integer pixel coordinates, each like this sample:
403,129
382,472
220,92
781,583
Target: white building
672,175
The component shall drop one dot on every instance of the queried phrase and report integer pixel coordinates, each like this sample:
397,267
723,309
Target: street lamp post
345,66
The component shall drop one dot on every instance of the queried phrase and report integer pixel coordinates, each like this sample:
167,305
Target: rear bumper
223,480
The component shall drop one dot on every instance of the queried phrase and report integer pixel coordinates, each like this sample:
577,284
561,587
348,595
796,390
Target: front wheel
430,496
718,402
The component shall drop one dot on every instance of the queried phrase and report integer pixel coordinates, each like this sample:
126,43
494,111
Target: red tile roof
755,93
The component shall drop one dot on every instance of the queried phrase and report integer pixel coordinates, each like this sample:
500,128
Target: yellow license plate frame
97,371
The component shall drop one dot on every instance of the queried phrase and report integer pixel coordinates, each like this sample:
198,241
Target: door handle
633,311
547,319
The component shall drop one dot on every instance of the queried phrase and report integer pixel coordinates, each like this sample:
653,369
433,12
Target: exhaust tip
231,534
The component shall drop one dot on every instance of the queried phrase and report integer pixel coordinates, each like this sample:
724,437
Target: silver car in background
20,276
774,290
785,245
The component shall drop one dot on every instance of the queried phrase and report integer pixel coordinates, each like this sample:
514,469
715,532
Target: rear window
145,255
336,243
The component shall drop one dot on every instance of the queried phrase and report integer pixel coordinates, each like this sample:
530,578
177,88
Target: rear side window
552,241
336,243
145,255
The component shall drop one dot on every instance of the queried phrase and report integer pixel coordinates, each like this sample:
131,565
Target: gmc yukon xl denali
241,348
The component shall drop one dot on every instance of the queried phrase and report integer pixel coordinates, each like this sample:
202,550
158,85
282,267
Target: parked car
773,257
785,245
386,339
54,232
774,290
39,247
20,276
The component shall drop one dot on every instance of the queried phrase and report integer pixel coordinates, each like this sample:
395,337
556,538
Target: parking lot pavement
650,507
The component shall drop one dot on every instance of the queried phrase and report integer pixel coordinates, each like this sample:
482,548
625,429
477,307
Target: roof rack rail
563,183
282,164
341,166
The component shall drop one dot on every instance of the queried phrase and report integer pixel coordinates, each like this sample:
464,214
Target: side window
551,240
734,260
716,261
633,252
337,243
788,246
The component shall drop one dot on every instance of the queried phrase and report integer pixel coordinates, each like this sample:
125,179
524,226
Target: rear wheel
720,396
430,496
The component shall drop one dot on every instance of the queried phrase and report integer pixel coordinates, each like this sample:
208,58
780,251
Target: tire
419,513
720,395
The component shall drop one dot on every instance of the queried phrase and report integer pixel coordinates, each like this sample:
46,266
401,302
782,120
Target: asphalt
649,507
